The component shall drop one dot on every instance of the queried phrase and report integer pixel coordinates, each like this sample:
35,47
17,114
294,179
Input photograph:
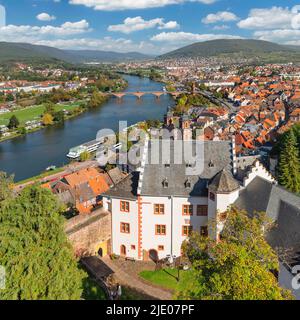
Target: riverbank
29,155
145,74
35,113
55,174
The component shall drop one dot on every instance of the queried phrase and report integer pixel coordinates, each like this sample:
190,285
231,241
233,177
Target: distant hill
236,47
106,56
24,51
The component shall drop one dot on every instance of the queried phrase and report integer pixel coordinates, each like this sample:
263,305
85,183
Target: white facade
123,239
173,220
142,219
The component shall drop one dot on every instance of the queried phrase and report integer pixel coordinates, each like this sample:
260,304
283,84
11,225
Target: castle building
155,209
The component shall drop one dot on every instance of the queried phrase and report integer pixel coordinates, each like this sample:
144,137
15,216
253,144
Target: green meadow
33,113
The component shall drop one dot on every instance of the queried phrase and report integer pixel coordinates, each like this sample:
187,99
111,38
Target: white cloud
138,23
65,36
117,5
286,36
106,44
296,17
276,24
186,37
221,16
32,33
170,25
270,18
221,27
45,17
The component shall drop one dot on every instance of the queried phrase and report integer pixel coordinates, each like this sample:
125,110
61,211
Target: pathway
71,168
127,274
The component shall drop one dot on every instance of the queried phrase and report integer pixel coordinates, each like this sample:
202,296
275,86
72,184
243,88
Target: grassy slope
237,48
32,113
37,53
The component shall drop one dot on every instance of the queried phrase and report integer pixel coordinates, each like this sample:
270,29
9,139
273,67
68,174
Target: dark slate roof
217,156
66,197
84,192
116,175
255,197
244,164
283,207
126,189
224,182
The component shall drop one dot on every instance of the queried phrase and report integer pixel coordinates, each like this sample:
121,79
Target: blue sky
149,26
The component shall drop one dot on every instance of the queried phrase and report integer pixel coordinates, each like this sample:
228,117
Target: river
29,155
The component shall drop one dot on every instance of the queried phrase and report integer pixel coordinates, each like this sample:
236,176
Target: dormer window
188,184
165,183
211,164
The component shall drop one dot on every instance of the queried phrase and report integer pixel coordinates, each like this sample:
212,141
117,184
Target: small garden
168,278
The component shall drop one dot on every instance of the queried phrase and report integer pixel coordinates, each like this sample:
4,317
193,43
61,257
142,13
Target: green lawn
167,278
33,113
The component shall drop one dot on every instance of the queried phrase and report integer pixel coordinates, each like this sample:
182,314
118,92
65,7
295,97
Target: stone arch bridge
140,94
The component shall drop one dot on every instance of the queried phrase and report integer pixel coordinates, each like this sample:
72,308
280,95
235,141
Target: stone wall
87,233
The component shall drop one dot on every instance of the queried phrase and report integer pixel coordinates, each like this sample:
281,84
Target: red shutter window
159,209
187,210
124,206
125,227
187,231
160,229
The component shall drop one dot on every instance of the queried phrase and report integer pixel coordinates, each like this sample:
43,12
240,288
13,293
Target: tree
96,99
59,117
10,97
236,268
170,88
6,186
182,101
49,108
85,156
34,249
289,163
22,130
181,106
13,122
47,119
